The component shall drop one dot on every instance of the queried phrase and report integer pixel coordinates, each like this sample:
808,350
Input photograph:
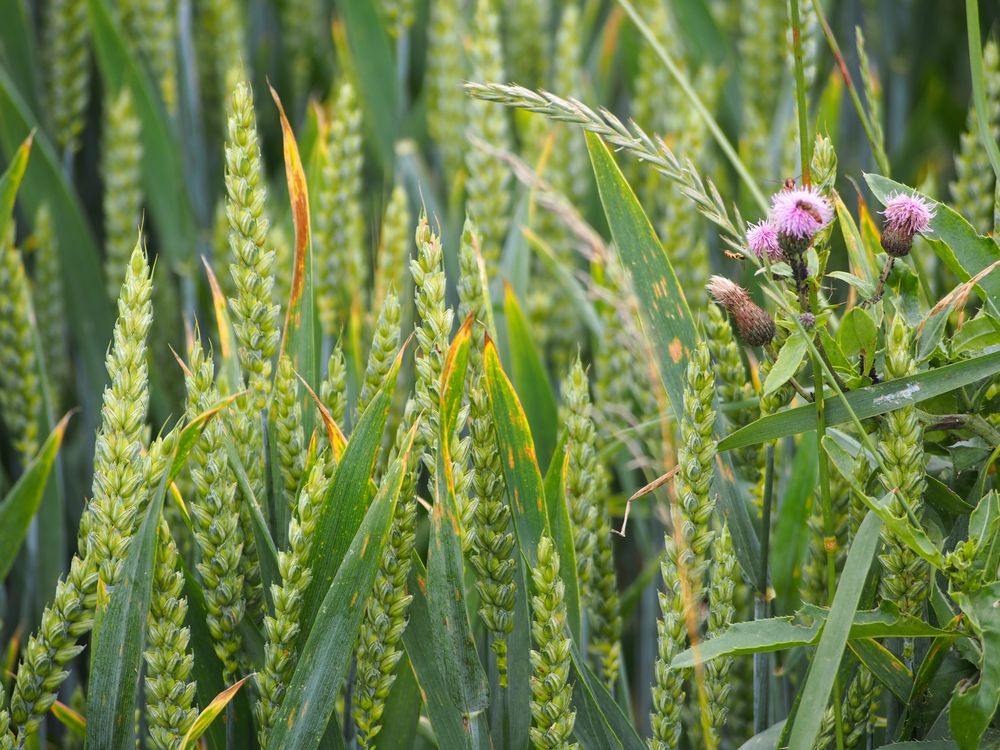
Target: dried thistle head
753,324
905,215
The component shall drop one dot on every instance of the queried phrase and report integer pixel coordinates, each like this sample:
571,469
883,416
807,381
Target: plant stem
761,678
829,532
979,84
801,104
877,151
692,96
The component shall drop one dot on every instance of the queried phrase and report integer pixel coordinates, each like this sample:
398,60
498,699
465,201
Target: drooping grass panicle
905,579
384,348
972,189
339,246
121,170
446,67
216,518
20,400
395,247
291,439
630,138
721,615
170,693
48,296
282,629
487,186
873,90
67,45
109,519
552,713
255,317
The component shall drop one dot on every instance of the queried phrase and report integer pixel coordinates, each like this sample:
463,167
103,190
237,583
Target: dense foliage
407,374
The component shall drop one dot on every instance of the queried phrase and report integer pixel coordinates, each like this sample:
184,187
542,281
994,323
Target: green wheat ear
109,519
383,351
552,714
282,629
67,43
215,516
255,317
50,309
671,637
121,168
339,248
395,247
333,389
20,400
488,197
287,415
722,612
446,65
156,33
7,738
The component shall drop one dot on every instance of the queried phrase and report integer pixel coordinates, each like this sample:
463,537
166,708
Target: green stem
761,678
979,84
877,151
692,96
829,532
795,19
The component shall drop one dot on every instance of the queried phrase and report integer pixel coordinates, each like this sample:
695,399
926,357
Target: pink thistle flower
798,214
905,215
762,238
753,324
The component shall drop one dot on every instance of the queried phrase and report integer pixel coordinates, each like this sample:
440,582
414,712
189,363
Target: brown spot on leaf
676,350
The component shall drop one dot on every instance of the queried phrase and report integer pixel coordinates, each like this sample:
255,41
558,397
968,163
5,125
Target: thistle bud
905,215
753,324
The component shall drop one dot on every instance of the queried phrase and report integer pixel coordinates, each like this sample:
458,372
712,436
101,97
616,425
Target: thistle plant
291,440
446,63
49,307
282,629
255,317
972,188
20,400
169,693
488,199
67,41
109,519
121,169
215,515
339,230
552,714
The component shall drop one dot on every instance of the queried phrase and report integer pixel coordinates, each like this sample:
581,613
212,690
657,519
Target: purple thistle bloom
763,238
798,214
905,215
908,214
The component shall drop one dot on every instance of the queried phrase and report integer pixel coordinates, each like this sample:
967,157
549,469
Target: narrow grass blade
10,182
70,719
326,656
867,402
402,710
209,714
884,665
344,506
162,174
17,49
562,534
22,501
826,662
300,335
373,65
455,645
531,379
599,712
